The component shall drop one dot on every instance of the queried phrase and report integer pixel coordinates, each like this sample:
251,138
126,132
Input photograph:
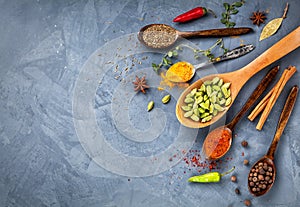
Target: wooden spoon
216,145
239,77
269,157
163,36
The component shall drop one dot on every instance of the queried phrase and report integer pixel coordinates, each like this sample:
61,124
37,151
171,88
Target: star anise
140,84
258,17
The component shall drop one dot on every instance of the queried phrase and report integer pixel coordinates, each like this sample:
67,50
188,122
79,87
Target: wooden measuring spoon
239,77
261,185
163,36
235,53
218,141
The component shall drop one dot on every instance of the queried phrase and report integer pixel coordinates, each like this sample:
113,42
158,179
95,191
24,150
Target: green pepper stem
229,171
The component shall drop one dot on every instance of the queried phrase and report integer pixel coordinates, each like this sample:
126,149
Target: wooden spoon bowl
270,162
239,77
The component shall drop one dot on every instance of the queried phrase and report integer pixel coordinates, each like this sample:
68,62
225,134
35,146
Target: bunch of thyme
230,9
166,60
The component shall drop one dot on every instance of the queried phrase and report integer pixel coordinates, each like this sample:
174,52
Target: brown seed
261,171
251,174
237,191
267,178
250,178
260,177
247,202
257,189
270,169
254,179
253,189
270,181
270,174
263,186
255,174
244,143
260,164
251,184
256,170
267,173
260,185
252,170
233,178
246,162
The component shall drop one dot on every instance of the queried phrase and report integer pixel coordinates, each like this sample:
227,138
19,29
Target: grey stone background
44,45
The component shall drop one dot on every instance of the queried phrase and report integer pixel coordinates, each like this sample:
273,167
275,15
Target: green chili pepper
212,177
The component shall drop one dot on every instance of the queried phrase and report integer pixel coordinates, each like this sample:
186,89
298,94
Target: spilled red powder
193,161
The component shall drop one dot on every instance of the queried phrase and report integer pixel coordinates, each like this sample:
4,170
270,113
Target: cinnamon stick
288,73
260,106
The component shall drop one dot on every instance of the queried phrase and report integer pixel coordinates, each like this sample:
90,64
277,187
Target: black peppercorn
237,191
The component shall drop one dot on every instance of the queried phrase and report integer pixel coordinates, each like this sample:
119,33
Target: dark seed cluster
260,177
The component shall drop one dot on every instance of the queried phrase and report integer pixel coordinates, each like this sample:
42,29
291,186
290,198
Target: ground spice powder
217,143
180,72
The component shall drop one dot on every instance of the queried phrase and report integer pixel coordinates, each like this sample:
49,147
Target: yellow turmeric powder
180,72
167,84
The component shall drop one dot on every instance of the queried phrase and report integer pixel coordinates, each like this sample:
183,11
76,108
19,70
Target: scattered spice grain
244,143
233,178
247,202
246,162
237,191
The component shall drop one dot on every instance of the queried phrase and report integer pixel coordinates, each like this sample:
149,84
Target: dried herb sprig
230,9
166,60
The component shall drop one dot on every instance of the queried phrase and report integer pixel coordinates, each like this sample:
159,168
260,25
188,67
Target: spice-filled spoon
262,174
218,141
162,36
238,78
187,70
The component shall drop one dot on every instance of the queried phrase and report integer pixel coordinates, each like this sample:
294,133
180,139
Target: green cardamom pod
195,118
150,105
186,108
166,99
228,101
215,80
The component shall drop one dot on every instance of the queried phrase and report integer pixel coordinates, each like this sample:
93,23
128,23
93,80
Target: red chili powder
217,142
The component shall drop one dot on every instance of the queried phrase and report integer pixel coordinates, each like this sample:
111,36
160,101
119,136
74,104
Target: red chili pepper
193,14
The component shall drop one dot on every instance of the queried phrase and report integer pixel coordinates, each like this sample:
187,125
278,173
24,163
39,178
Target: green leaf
226,5
223,21
235,11
237,4
224,15
165,61
175,53
170,54
231,24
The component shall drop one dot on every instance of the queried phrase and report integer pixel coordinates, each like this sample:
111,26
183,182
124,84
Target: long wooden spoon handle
216,32
284,117
254,96
277,51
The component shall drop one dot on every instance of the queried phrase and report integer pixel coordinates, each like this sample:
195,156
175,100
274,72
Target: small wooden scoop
163,36
239,77
269,157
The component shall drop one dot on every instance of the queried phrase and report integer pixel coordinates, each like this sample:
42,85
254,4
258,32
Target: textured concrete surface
64,106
